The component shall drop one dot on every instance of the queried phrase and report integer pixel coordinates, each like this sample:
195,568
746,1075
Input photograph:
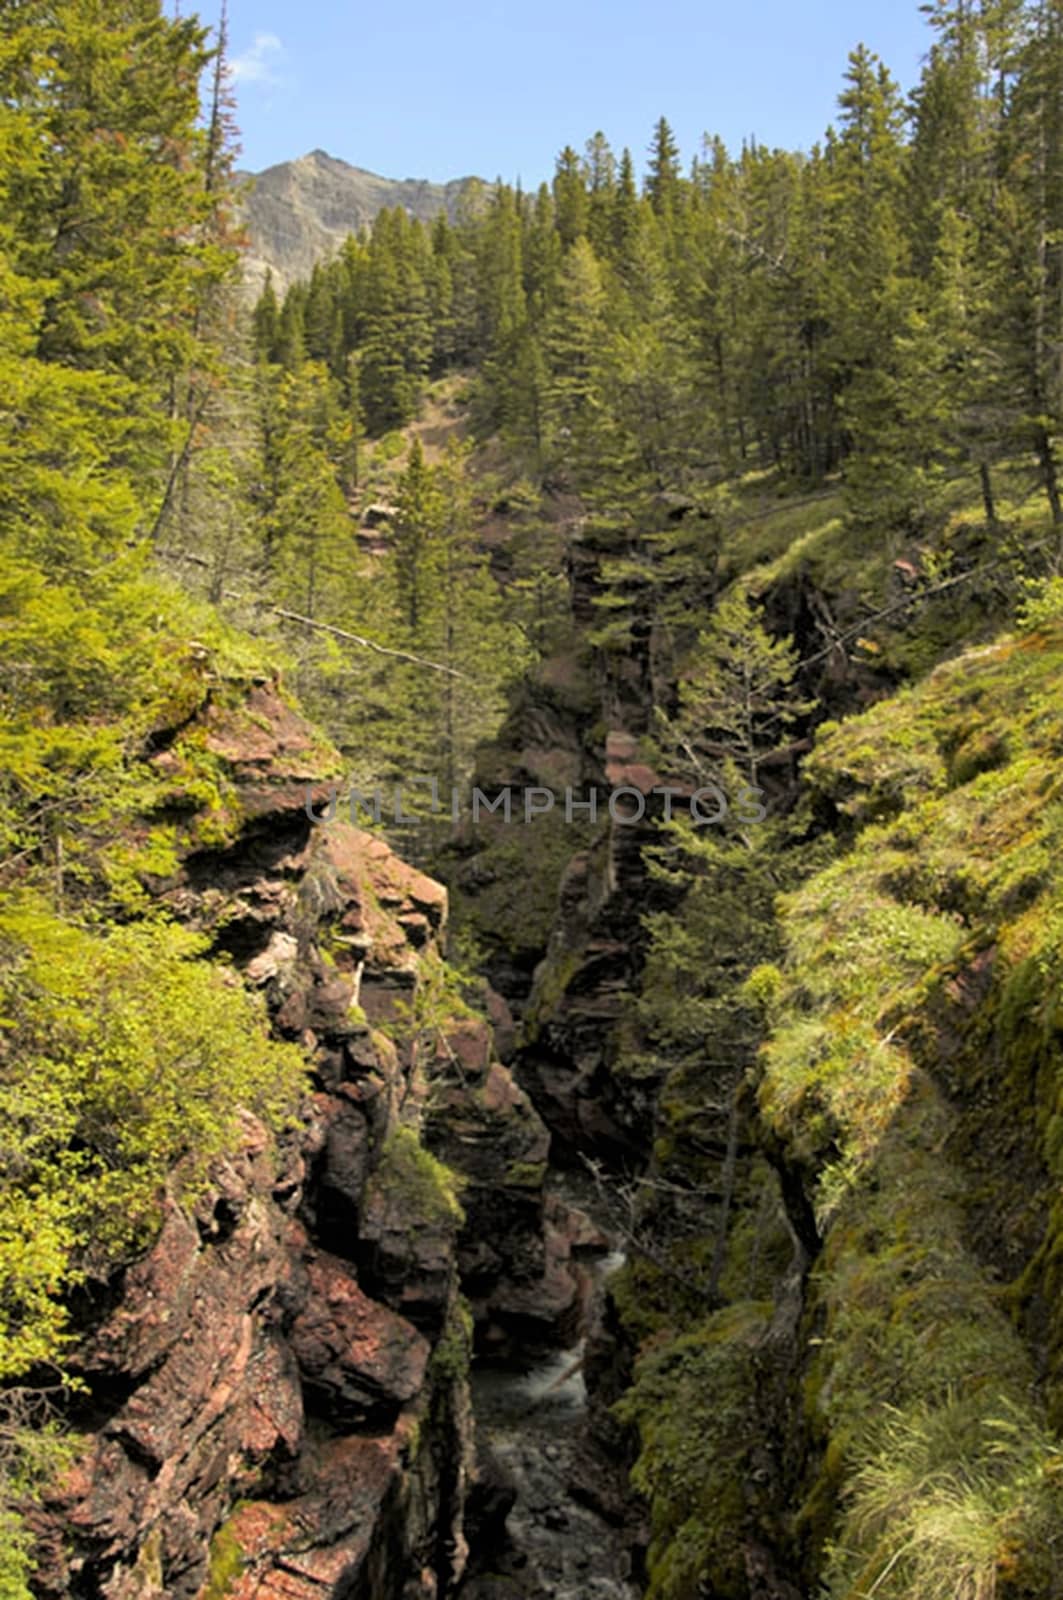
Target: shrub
126,1060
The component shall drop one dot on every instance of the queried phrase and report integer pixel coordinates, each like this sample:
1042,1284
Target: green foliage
956,1488
127,1063
423,1189
15,1558
1042,603
126,1058
438,1001
33,1452
876,323
89,672
430,601
102,138
693,1404
736,696
700,954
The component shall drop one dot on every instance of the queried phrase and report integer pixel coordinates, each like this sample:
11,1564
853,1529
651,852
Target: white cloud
256,63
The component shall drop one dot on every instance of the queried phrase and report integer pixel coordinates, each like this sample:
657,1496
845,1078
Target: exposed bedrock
275,1396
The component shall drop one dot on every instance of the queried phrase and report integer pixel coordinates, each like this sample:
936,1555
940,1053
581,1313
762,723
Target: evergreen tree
570,197
1032,243
128,183
396,346
322,319
601,179
737,698
624,210
417,527
266,321
663,181
870,287
291,330
570,346
502,307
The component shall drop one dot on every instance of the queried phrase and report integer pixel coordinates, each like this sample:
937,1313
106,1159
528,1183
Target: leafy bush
123,1056
1042,603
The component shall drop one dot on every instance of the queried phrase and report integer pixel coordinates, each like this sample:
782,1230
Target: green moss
759,1242
227,1564
694,1405
411,1178
761,527
525,1174
972,749
452,1355
507,899
551,982
916,1069
414,1442
643,1296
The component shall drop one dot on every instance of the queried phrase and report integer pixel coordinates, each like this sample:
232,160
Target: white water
552,1384
531,1419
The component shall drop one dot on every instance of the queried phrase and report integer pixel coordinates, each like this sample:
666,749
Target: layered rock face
275,1398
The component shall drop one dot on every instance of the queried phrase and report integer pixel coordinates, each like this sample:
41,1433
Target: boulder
356,1356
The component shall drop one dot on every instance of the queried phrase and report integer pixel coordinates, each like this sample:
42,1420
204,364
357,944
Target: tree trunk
988,503
1049,474
727,1187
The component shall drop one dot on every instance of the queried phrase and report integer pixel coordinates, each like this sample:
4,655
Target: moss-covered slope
915,1077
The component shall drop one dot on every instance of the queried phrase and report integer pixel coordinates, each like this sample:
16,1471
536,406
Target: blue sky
477,86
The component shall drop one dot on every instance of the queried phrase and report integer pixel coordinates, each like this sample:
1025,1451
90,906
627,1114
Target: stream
532,1445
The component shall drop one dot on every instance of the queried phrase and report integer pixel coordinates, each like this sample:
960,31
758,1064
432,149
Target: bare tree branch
913,599
309,622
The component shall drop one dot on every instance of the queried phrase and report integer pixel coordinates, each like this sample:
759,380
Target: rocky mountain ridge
299,212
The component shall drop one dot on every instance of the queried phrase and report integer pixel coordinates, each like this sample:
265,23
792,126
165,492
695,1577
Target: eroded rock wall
275,1398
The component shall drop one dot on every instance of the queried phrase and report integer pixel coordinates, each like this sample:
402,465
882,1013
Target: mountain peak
299,212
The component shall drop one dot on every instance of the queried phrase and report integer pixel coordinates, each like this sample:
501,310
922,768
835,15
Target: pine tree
1031,293
601,179
266,321
502,310
570,347
322,319
737,697
624,210
290,348
446,332
132,246
663,181
396,344
570,197
417,526
461,625
541,254
870,287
